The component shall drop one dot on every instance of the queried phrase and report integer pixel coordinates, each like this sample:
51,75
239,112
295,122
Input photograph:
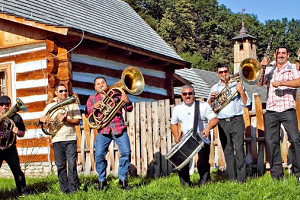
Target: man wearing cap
10,154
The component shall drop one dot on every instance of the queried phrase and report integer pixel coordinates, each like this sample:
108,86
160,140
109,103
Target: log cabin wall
90,60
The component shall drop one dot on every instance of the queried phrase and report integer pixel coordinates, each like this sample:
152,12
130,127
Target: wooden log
82,149
92,144
51,94
150,140
33,158
131,134
63,54
52,64
163,137
138,139
32,142
51,47
168,132
31,75
64,71
221,157
249,161
88,143
78,135
32,124
53,80
156,140
24,92
260,129
144,136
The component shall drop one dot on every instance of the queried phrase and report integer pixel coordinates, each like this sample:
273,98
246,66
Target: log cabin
44,42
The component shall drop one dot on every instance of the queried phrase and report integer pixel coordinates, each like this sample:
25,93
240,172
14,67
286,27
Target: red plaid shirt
117,124
281,98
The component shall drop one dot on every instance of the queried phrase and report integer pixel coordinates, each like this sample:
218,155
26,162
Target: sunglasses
187,93
6,104
61,91
221,72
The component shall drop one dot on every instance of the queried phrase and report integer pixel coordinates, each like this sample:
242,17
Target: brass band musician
10,155
114,130
231,124
64,141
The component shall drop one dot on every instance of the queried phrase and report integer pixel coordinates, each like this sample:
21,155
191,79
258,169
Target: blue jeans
101,148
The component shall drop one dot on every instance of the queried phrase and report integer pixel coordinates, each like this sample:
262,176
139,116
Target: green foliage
204,28
161,188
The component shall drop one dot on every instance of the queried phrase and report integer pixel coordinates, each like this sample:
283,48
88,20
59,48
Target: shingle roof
111,19
203,81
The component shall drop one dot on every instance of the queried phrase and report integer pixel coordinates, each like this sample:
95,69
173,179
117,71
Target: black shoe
23,192
190,184
101,185
124,184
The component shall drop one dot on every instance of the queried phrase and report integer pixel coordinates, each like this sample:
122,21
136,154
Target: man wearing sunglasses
64,141
115,130
10,155
183,113
231,124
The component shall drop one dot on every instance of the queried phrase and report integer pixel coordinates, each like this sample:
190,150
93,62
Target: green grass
161,188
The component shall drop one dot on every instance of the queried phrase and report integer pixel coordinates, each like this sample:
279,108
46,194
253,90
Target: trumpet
132,81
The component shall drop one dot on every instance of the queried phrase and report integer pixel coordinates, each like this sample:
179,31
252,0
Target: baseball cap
5,99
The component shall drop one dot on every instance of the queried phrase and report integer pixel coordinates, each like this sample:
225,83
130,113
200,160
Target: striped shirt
117,124
281,98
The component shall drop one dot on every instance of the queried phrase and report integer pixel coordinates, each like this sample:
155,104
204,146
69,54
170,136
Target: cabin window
5,79
2,83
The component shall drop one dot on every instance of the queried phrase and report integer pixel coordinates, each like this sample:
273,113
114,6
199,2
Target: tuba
56,125
248,72
132,81
7,137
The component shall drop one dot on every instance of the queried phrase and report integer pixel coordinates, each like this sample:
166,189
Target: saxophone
56,125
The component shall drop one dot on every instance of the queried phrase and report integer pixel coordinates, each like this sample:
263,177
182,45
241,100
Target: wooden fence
150,140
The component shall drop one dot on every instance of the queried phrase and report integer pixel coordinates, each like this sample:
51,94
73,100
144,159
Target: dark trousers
11,157
64,152
273,120
232,139
203,167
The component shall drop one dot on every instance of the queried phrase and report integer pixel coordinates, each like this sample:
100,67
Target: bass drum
184,151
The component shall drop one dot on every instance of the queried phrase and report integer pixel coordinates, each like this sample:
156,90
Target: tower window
241,47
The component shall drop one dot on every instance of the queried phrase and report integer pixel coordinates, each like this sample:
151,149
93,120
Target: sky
265,9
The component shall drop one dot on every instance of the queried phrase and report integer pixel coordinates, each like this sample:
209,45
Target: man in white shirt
184,113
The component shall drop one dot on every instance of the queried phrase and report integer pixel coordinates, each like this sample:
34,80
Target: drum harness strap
196,117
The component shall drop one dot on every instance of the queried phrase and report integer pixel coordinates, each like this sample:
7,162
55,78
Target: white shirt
185,115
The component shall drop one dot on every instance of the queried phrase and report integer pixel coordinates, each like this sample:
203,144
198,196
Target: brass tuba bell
132,81
248,72
56,125
7,137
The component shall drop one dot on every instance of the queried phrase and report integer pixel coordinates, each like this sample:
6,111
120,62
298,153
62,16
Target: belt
231,118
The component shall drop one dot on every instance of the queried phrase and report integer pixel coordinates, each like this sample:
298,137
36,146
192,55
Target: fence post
260,129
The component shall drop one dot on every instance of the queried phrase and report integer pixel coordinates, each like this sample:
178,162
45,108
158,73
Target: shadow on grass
39,187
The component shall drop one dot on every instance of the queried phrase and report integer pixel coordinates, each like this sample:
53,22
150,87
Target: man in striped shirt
282,79
114,130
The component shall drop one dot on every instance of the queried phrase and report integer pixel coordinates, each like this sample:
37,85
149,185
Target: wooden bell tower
244,47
